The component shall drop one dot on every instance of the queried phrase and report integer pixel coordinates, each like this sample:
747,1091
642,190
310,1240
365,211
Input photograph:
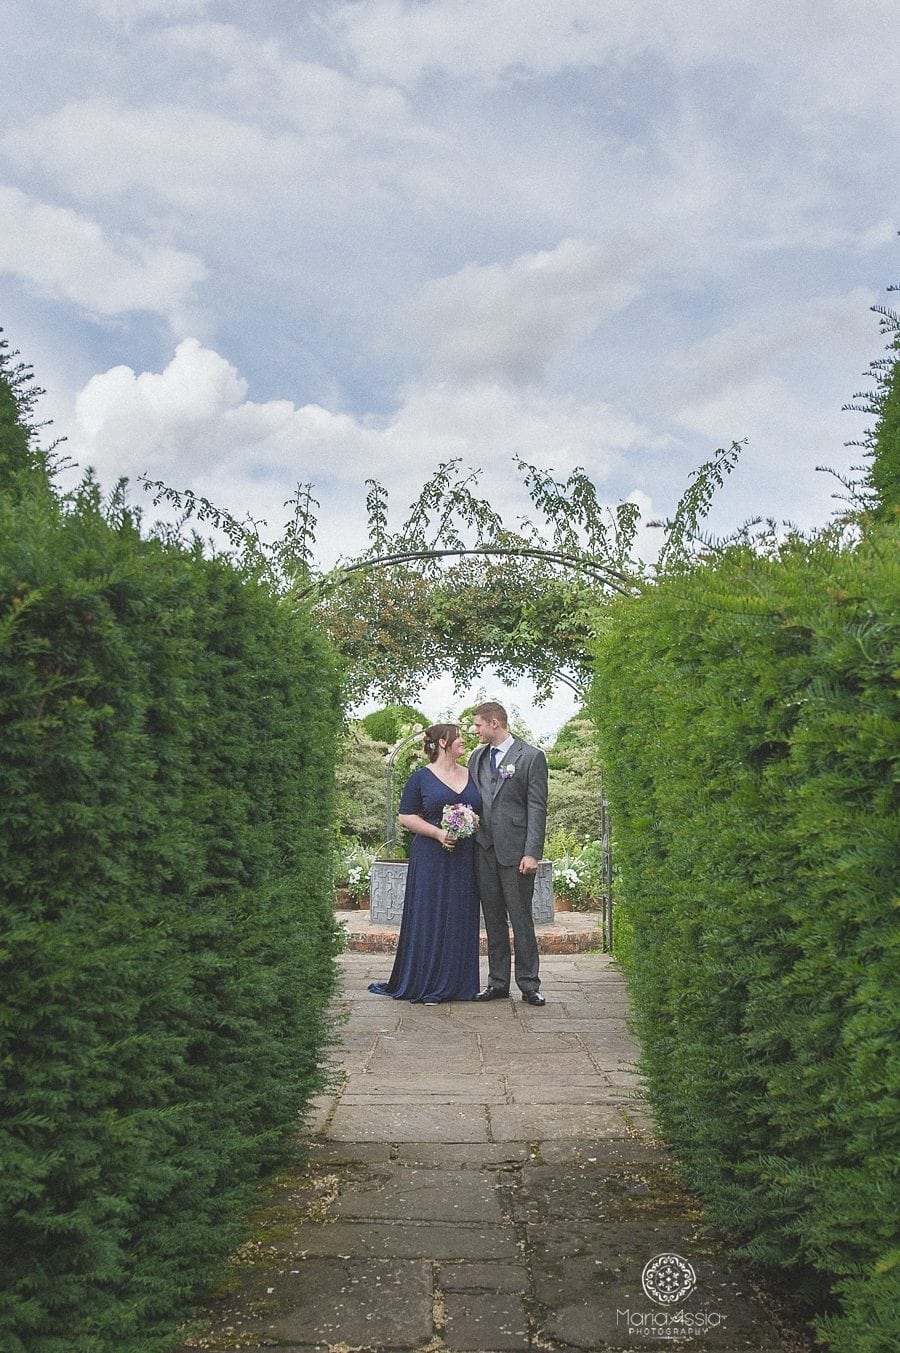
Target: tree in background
360,774
20,456
885,472
876,496
575,791
393,723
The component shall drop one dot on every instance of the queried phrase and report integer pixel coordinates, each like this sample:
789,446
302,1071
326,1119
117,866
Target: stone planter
387,885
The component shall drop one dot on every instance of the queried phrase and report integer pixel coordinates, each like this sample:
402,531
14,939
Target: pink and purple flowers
459,821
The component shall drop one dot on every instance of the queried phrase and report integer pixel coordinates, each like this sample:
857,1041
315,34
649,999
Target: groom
512,777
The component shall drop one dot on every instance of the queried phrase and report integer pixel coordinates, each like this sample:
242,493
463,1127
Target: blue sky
250,246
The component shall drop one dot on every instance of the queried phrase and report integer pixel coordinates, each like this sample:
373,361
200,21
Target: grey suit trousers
506,900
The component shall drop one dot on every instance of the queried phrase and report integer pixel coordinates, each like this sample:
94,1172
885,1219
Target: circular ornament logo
668,1279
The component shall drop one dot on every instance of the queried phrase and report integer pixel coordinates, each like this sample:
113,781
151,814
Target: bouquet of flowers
459,821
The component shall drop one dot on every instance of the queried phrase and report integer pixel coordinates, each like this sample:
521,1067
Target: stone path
484,1178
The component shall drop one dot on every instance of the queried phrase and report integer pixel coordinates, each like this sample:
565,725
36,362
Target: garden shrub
745,712
577,869
167,934
393,723
576,789
353,869
361,783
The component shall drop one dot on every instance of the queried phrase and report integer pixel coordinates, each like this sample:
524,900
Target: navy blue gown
437,952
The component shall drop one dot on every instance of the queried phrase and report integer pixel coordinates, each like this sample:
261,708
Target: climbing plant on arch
454,589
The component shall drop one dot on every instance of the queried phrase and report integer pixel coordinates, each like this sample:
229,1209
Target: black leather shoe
492,994
533,998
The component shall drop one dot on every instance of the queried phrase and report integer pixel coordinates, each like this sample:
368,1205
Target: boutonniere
507,771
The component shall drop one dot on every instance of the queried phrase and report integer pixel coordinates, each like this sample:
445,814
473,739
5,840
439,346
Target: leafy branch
694,505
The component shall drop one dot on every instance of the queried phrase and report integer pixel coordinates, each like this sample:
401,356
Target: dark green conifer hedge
166,933
747,712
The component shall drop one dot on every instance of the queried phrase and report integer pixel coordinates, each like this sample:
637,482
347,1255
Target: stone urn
388,884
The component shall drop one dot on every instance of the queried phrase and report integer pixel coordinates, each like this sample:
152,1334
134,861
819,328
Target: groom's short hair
491,709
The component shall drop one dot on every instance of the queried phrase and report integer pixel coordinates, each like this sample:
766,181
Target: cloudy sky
246,246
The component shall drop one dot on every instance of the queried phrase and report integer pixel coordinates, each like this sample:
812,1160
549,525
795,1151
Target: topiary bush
746,712
393,723
167,934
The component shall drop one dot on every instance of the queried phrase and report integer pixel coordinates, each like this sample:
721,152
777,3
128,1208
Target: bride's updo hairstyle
435,735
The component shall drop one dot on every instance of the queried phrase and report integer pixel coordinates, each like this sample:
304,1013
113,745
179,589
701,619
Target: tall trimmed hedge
166,933
747,712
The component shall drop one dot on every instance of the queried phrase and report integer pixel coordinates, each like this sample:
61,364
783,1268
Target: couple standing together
505,783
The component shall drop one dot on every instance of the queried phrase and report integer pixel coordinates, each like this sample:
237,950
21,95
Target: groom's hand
528,865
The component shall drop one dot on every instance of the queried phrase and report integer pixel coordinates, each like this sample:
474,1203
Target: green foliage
22,463
876,497
362,785
353,869
393,723
747,720
454,589
167,933
886,451
577,870
575,781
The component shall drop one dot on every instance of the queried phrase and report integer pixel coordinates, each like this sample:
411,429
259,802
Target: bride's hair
435,735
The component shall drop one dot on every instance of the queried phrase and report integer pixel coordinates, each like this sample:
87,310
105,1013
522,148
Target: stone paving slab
367,1089
485,1320
428,1194
522,1042
417,1065
543,1122
463,1276
588,1091
627,1152
377,1302
410,1123
403,1240
590,1192
570,1061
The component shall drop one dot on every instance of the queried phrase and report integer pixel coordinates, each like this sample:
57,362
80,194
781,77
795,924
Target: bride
437,952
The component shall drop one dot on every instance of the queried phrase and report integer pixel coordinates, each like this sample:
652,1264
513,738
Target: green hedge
747,718
167,935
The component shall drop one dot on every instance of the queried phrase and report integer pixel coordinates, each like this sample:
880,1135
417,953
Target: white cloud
324,147
762,342
794,47
510,323
312,96
62,254
98,148
193,419
404,41
125,10
192,425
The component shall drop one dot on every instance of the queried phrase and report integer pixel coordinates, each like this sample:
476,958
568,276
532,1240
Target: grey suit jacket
514,812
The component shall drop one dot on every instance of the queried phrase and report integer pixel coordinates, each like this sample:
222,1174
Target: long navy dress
437,952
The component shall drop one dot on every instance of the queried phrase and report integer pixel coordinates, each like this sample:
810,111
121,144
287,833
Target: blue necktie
493,763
